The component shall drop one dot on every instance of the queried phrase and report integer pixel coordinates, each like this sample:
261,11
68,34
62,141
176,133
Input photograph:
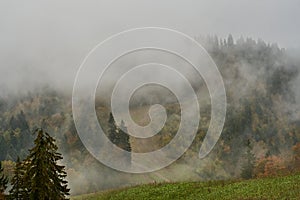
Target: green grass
287,187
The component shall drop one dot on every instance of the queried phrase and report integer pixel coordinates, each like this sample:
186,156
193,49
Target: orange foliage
270,166
296,150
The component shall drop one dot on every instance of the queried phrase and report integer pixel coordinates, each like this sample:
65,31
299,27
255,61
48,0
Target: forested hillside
262,123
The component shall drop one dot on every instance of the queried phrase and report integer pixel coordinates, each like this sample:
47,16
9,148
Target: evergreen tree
112,129
3,147
124,142
230,41
124,137
247,169
3,180
45,178
118,135
18,190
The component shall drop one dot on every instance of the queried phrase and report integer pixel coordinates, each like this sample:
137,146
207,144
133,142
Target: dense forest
261,136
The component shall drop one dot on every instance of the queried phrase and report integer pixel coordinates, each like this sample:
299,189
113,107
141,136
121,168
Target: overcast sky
58,34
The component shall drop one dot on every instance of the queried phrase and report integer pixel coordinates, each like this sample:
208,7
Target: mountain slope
287,187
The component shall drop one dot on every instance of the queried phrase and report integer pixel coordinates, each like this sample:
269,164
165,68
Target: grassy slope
287,187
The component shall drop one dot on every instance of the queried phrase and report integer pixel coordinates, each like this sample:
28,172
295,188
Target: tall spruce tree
19,190
230,41
248,167
124,142
118,135
45,179
112,129
3,181
124,137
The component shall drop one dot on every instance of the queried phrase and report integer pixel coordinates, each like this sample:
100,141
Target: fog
46,41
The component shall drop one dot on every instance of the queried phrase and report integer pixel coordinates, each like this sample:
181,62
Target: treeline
261,136
15,138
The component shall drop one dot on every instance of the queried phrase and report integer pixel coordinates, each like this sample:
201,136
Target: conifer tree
248,168
230,41
112,129
118,135
18,190
124,142
45,179
124,137
3,181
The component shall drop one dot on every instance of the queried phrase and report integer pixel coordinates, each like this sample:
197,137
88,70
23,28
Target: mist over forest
261,82
44,46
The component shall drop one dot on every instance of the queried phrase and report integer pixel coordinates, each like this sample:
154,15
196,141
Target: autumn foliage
296,161
270,166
